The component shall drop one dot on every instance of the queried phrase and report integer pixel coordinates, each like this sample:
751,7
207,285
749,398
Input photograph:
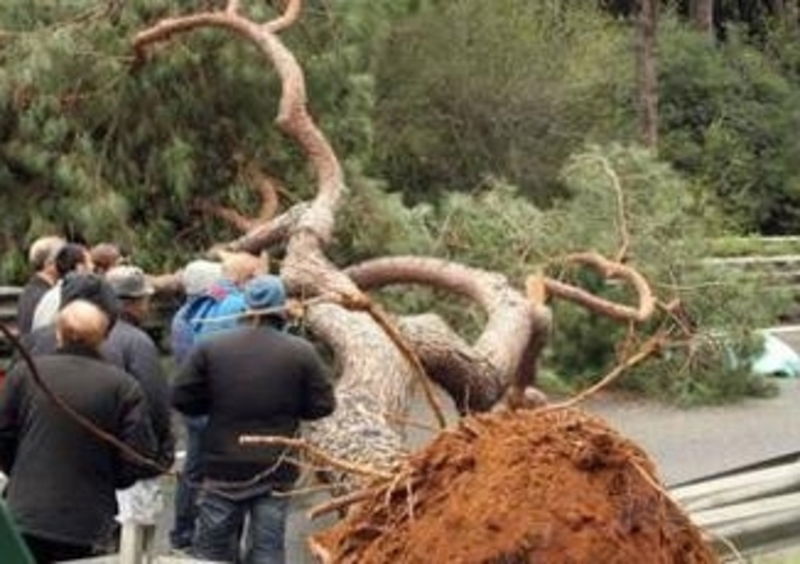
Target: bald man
62,477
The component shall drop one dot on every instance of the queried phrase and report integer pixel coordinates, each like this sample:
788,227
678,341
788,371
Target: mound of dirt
532,486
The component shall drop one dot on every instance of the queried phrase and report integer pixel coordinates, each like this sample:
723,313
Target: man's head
241,267
266,292
42,254
73,258
199,275
131,286
91,288
81,323
105,256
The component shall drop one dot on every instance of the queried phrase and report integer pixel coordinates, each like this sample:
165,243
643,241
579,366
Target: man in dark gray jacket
133,350
253,380
63,477
127,346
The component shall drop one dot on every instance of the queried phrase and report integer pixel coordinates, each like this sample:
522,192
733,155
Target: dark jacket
62,478
28,300
252,381
131,349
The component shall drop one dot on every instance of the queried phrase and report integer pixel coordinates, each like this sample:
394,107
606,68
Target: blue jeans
220,520
186,493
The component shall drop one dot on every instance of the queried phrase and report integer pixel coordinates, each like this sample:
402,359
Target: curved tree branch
513,321
267,188
608,269
270,233
290,14
229,215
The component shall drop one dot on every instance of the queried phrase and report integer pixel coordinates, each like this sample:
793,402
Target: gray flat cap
129,282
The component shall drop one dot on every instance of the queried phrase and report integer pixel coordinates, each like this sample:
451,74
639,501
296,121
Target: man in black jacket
62,477
254,380
123,298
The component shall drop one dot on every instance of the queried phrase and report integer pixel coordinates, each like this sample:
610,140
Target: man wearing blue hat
254,380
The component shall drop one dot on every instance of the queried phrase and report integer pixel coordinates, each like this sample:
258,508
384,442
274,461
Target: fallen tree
380,357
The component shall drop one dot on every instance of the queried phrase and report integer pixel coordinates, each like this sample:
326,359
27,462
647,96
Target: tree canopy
471,130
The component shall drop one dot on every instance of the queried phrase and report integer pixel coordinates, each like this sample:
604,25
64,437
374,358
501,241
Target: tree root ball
552,485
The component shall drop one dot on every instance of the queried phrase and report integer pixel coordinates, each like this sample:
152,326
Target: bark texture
646,26
702,12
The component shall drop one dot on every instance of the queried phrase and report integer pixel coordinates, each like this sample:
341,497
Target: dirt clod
546,486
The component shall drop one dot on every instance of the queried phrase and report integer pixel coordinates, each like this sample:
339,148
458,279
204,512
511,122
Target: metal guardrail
758,261
9,295
757,509
163,307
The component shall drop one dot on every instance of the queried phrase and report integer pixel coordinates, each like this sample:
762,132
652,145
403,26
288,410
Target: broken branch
314,452
608,269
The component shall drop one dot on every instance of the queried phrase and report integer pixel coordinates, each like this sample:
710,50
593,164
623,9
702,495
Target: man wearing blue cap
254,380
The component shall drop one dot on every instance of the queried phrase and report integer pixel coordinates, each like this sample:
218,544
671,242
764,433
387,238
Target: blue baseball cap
264,292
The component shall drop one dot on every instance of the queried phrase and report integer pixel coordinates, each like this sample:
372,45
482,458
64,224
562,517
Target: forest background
488,132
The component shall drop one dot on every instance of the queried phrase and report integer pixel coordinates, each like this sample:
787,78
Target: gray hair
44,250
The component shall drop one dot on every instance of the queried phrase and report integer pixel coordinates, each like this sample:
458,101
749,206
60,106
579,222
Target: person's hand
294,308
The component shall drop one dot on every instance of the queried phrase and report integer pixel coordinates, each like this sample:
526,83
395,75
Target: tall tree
702,12
792,13
647,96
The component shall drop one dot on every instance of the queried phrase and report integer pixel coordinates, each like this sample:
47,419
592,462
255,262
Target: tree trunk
792,14
777,7
647,80
702,12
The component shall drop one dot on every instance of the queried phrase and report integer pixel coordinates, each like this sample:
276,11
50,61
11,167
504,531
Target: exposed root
529,486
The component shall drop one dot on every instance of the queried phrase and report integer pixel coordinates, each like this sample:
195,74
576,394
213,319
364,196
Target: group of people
96,373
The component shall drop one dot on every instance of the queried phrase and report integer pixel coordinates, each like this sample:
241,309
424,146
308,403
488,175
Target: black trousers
45,551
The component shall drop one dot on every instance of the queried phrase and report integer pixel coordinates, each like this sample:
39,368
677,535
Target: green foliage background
469,129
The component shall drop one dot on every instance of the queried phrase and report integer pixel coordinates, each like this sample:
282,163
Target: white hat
199,275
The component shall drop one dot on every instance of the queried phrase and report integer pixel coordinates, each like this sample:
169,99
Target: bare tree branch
270,233
647,349
608,269
287,19
267,187
313,452
229,215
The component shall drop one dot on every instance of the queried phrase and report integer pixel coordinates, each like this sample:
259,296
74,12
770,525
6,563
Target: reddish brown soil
554,487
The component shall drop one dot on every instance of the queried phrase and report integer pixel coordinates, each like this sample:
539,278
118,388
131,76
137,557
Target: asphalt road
689,444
